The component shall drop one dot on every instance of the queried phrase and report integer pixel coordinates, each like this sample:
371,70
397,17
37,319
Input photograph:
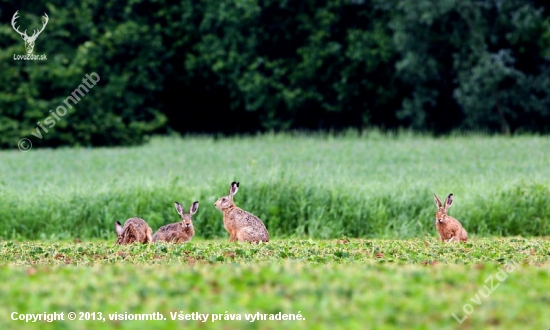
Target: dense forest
245,66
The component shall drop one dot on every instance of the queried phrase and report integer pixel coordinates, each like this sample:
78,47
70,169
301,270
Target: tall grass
321,185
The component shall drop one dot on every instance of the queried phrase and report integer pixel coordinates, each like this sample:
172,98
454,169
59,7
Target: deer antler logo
29,41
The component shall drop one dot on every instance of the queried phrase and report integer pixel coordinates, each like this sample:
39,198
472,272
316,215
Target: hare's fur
134,230
241,225
178,232
449,229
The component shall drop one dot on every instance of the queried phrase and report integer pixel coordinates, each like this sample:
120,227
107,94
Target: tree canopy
237,66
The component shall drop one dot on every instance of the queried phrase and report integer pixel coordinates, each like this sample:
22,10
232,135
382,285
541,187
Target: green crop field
351,218
318,186
342,283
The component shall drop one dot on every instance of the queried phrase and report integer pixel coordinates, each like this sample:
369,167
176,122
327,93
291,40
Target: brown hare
449,228
134,230
178,232
241,225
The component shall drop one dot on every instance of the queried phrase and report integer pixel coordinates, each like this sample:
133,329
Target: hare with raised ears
241,225
178,232
134,230
449,228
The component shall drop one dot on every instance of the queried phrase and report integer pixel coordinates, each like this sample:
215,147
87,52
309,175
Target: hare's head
186,220
441,213
227,201
118,230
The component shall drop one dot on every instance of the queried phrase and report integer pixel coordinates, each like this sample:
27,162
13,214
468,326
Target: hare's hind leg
458,237
246,234
463,236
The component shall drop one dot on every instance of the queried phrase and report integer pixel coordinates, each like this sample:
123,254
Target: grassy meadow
351,219
314,186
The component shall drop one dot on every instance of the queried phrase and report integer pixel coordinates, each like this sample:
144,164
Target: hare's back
136,222
171,227
253,221
245,219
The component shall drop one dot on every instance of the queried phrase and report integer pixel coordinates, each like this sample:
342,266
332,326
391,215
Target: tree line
244,66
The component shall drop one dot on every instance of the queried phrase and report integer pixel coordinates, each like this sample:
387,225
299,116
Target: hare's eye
224,199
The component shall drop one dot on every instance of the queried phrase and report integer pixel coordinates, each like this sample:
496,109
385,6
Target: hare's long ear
179,208
233,189
194,208
437,201
118,228
449,201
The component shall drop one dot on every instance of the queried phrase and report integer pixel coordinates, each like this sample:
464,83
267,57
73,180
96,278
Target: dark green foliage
229,66
82,38
477,65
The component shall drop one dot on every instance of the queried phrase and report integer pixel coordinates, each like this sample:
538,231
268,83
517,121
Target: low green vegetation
429,251
333,284
368,185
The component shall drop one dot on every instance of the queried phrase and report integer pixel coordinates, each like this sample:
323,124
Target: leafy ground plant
344,283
